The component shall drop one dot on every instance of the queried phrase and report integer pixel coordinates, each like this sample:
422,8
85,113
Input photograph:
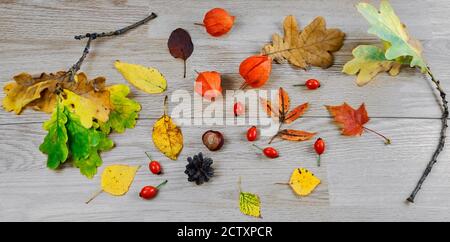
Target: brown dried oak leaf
39,92
311,47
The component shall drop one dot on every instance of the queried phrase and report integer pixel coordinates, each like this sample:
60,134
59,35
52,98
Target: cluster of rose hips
270,152
149,192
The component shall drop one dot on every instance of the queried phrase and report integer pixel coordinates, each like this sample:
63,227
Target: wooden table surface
362,179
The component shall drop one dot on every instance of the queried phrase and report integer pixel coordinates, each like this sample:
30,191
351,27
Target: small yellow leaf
147,79
117,179
249,204
85,108
303,182
167,136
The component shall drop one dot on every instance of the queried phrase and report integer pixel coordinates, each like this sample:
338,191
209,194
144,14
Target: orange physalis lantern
256,70
218,22
208,85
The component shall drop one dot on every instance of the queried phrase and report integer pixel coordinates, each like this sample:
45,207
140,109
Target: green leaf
125,111
84,145
55,142
387,26
249,204
368,61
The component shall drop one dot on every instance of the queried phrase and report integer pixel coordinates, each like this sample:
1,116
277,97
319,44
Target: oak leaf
55,142
387,26
26,89
124,111
311,47
68,138
85,145
399,47
85,108
368,62
39,92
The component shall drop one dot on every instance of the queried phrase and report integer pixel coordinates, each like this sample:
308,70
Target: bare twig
119,31
92,36
442,137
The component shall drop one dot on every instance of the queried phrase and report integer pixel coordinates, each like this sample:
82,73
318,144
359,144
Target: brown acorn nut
213,140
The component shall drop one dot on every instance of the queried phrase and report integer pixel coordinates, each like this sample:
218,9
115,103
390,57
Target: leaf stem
442,137
276,135
387,141
166,106
184,74
94,196
199,24
281,183
92,36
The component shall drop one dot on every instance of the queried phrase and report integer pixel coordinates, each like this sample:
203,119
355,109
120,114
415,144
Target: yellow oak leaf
311,47
147,79
39,92
303,182
24,91
85,108
167,136
368,61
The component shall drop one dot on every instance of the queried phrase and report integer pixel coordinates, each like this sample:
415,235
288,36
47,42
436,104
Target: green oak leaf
88,166
387,26
368,61
55,142
125,111
84,145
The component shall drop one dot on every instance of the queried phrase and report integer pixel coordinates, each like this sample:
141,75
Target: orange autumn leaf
283,111
296,113
295,135
351,120
267,106
283,102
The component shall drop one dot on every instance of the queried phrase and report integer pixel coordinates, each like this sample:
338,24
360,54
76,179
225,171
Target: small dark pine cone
199,169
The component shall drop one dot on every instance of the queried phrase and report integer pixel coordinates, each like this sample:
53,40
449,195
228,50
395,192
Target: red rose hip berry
149,192
319,147
311,84
252,133
154,165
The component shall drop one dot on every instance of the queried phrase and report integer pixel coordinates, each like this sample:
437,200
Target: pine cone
199,169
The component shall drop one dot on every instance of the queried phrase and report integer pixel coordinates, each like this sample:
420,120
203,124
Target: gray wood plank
360,173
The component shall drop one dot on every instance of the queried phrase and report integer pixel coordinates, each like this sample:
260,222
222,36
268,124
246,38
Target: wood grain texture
362,179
